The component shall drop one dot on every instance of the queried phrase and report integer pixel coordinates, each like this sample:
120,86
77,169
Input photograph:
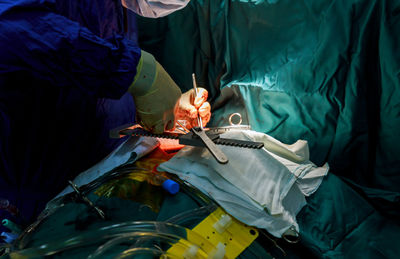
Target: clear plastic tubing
102,234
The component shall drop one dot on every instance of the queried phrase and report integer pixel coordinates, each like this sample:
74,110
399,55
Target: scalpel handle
210,145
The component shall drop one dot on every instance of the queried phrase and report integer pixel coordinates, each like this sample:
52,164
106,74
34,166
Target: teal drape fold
320,70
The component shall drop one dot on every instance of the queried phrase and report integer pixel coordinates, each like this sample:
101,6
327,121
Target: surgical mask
154,8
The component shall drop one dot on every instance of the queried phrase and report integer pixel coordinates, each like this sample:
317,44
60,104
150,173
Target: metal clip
86,200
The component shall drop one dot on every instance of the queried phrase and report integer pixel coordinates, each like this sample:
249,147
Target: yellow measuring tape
229,236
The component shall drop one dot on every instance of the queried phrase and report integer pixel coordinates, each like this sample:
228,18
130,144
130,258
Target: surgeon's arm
159,101
58,50
34,38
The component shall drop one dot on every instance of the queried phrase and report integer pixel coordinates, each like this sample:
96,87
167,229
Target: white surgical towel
264,187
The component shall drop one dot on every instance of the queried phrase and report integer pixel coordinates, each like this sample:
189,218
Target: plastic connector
219,252
223,223
170,186
14,228
8,237
191,252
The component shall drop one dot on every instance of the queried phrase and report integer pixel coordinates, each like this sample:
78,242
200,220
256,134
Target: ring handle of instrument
233,115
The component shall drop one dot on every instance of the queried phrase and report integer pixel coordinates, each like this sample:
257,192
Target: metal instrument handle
214,150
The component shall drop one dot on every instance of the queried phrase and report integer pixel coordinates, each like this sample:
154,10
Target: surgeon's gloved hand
156,95
191,106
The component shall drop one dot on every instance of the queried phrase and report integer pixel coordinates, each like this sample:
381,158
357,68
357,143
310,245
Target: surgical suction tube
113,231
161,239
116,172
193,192
198,213
146,251
25,237
54,205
